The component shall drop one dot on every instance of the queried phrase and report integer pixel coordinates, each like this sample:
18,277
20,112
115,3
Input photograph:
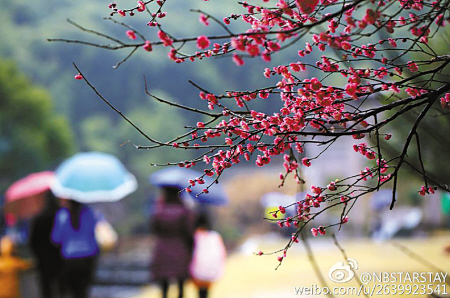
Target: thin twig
116,110
419,259
313,262
344,254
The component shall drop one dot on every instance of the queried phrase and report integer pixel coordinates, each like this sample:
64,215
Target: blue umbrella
179,178
93,177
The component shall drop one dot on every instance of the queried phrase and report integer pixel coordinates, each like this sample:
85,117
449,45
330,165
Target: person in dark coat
46,253
172,224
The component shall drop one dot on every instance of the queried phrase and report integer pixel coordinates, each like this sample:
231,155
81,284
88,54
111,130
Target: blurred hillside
32,137
25,29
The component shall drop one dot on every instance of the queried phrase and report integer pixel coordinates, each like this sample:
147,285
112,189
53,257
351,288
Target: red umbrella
26,197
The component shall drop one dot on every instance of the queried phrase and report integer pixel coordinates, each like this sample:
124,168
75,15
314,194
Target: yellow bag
105,235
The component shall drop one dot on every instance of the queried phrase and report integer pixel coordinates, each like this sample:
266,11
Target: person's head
6,246
171,195
51,202
71,204
75,212
64,203
203,221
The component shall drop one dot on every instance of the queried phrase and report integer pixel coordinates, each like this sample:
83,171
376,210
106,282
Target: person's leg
203,292
85,274
74,280
164,287
45,285
54,286
64,281
180,288
62,288
82,284
91,268
78,284
72,286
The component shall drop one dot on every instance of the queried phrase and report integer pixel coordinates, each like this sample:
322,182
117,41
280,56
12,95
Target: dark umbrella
179,178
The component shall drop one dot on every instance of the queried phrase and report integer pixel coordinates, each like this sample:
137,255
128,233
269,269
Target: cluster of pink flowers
445,101
148,46
307,6
424,190
166,40
203,42
203,19
320,230
308,105
364,150
131,34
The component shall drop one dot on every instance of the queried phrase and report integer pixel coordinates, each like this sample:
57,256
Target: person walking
47,254
208,261
172,224
74,231
10,266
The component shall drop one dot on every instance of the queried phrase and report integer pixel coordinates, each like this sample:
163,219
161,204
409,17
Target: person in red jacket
172,224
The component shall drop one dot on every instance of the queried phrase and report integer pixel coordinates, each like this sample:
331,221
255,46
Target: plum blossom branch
432,99
344,82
